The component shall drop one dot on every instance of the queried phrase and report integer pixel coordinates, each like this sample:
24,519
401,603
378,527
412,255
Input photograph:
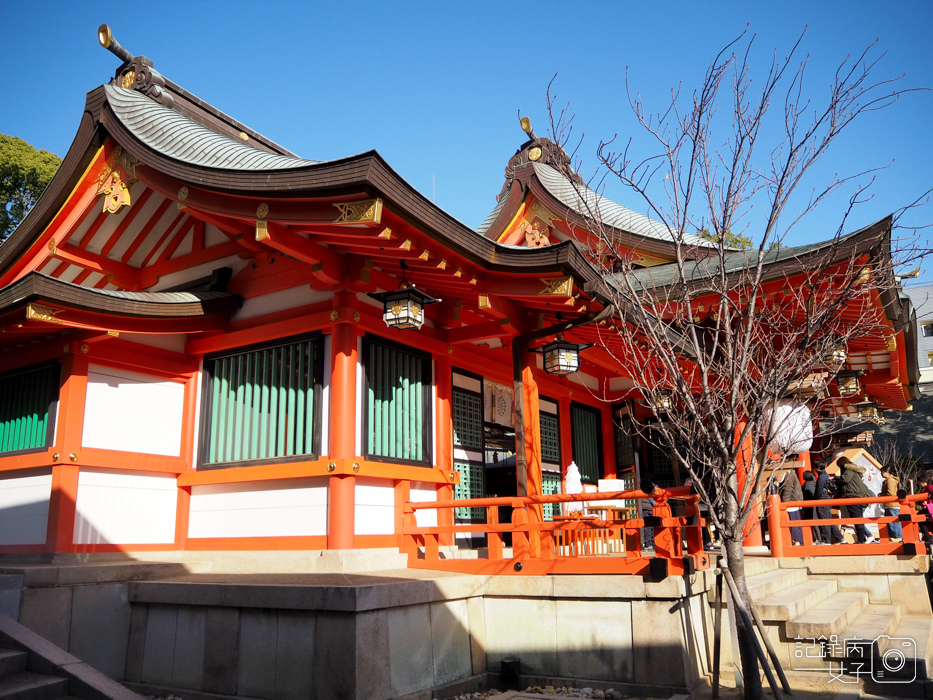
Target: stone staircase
16,683
809,617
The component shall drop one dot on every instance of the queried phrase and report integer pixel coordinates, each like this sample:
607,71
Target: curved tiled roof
487,222
173,134
588,203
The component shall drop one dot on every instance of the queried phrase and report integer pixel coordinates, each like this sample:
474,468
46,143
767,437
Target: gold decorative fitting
459,272
55,457
356,466
262,231
366,211
334,315
453,476
262,211
331,466
450,349
386,234
182,194
66,348
73,457
113,334
406,245
53,246
473,280
534,154
116,193
84,349
525,124
243,136
38,312
128,79
892,343
483,302
557,286
424,255
442,265
356,317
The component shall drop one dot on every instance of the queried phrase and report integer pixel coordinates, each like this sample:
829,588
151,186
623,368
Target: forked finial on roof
105,37
136,72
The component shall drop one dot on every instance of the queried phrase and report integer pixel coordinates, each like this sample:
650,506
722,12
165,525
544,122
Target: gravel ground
553,691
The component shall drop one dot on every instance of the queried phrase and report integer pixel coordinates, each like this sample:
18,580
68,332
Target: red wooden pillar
64,496
744,465
609,444
444,444
566,440
341,496
530,426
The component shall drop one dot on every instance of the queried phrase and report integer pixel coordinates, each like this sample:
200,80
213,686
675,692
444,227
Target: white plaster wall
125,508
374,513
281,508
24,508
422,493
132,412
469,383
280,300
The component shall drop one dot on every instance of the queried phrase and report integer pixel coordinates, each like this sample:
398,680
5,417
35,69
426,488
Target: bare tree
721,341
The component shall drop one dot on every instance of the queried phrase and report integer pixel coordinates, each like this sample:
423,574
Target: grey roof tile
585,201
177,136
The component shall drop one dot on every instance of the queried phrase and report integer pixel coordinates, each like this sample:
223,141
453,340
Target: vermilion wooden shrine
191,358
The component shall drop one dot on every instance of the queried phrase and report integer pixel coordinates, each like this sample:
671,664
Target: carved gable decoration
534,229
115,179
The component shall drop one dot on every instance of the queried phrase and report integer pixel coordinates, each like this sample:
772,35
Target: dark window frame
207,403
427,394
52,410
600,449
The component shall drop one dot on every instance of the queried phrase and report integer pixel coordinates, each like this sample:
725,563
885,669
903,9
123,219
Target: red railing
780,536
571,545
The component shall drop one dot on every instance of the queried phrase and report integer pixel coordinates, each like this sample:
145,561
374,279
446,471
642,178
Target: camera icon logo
896,661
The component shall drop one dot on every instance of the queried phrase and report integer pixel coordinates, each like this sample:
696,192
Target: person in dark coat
809,494
790,491
829,534
852,486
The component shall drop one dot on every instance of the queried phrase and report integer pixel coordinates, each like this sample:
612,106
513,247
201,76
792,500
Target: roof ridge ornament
538,149
136,72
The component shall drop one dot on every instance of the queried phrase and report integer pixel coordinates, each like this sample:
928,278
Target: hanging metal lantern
848,382
403,309
562,356
837,353
868,410
664,399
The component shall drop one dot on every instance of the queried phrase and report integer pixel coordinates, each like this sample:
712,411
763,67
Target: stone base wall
396,634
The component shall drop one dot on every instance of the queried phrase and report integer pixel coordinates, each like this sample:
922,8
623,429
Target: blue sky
436,87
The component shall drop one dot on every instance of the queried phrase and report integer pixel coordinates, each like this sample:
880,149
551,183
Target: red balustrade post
520,548
664,545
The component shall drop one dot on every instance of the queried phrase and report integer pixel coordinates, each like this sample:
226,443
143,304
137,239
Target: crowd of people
818,485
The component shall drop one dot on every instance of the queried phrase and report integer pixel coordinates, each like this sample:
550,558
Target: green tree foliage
24,174
731,240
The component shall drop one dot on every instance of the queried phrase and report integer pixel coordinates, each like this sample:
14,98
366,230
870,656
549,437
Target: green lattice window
625,447
550,485
468,419
27,408
550,439
398,411
263,403
660,464
587,443
470,486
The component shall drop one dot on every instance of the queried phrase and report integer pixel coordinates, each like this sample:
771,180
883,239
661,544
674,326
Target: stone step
912,642
876,621
828,617
760,565
794,601
769,582
32,686
12,661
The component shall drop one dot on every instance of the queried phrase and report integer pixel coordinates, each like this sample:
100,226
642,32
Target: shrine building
208,342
